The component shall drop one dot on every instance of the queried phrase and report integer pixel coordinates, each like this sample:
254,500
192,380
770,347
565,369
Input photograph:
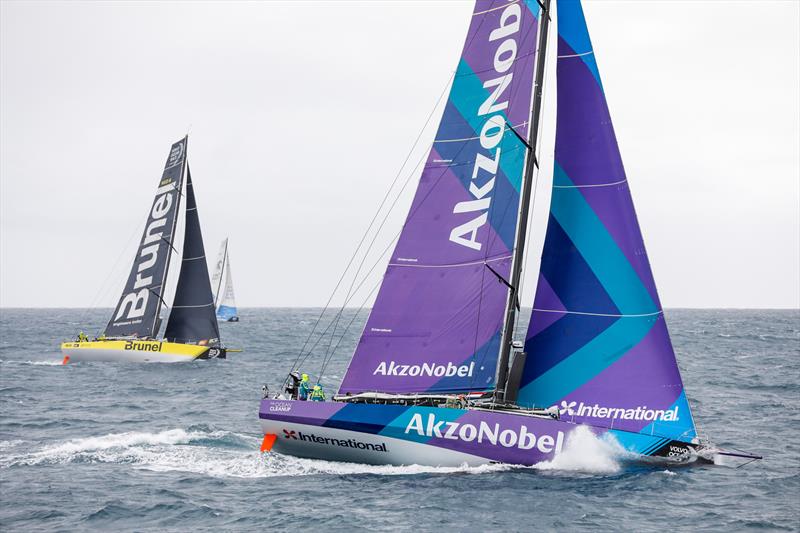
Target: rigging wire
372,243
370,225
104,287
467,45
329,357
364,279
410,216
349,296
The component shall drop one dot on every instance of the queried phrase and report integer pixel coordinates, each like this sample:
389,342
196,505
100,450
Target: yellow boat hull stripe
131,350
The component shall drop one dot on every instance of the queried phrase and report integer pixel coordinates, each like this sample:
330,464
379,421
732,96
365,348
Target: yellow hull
137,351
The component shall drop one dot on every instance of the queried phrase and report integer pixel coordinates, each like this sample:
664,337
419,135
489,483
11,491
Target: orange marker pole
269,440
66,360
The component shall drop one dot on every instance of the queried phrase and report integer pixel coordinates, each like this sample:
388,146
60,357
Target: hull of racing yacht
431,436
136,351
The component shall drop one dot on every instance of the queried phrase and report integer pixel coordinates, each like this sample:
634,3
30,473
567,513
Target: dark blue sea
163,447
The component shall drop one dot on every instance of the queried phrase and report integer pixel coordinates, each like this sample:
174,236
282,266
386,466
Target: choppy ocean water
175,447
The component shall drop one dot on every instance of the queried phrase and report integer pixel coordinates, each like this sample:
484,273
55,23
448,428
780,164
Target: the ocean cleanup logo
617,413
485,168
425,369
342,443
484,432
280,407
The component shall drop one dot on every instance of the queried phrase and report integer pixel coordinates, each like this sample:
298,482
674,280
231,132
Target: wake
34,363
221,454
199,451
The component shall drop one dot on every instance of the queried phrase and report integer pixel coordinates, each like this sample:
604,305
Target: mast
506,343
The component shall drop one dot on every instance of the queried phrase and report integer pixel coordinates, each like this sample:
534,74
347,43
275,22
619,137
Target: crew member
293,385
304,389
317,395
82,337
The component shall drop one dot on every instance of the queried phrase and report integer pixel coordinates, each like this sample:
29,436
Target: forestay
136,314
436,322
597,343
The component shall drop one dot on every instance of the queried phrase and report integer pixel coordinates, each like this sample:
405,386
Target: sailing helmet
305,377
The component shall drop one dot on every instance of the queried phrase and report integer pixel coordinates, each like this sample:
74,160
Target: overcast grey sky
301,114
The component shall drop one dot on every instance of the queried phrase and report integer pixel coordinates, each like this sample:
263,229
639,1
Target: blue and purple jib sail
597,343
436,322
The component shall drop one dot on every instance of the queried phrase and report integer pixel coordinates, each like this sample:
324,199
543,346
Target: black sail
136,314
193,318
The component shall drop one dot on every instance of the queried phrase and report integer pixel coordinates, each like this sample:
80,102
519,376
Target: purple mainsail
597,343
436,323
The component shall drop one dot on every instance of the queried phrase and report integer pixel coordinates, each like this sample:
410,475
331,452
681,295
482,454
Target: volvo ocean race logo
175,156
492,131
425,369
484,432
617,413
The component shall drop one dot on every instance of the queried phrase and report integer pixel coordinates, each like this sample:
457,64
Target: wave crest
586,452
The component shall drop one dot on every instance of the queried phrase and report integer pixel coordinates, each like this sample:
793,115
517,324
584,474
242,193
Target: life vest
317,394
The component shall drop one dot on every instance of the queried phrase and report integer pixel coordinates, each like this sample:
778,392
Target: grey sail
193,318
136,313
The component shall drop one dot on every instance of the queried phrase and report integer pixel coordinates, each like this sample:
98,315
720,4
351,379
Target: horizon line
369,308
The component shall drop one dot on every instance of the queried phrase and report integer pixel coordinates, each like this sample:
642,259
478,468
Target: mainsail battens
407,263
136,314
610,184
520,125
597,341
576,55
463,215
594,314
